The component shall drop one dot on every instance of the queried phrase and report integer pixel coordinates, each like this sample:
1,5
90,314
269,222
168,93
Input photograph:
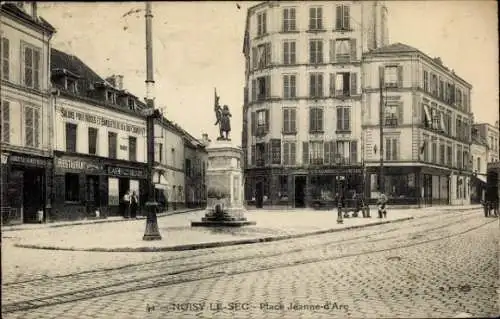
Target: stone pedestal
224,180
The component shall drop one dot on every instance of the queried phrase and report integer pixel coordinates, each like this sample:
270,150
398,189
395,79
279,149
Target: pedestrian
382,202
126,204
134,204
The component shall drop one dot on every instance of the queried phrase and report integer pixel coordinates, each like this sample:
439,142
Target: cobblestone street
435,266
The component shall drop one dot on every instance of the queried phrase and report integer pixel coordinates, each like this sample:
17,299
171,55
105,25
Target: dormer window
110,97
71,85
131,103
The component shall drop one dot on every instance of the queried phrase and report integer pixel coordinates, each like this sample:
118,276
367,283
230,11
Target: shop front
25,187
123,177
411,185
80,187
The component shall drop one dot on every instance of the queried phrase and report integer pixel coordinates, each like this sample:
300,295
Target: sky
197,46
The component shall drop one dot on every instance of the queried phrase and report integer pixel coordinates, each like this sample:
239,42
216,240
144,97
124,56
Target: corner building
427,122
301,134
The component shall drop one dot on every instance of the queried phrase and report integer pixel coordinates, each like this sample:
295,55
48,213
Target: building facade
302,99
479,158
26,113
491,134
426,122
195,165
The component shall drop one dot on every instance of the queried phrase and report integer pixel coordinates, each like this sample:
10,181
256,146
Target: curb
98,221
216,244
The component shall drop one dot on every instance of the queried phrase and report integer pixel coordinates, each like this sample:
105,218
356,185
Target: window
315,18
449,156
315,51
289,153
342,18
188,167
343,118
441,153
173,156
316,152
261,23
441,89
71,85
110,97
459,158
289,86
283,191
345,50
132,148
260,153
92,140
112,144
315,120
262,54
275,151
5,58
261,118
32,67
458,129
159,152
391,76
393,115
459,98
345,84
289,19
72,187
425,148
32,126
346,152
263,87
392,148
426,81
478,164
289,120
131,103
71,137
289,56
5,121
316,85
434,84
436,119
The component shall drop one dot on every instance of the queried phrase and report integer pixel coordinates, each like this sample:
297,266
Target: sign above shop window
26,160
126,172
78,164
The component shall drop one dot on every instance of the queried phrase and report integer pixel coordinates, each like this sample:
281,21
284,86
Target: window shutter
252,155
346,17
320,119
332,51
338,18
268,54
354,56
311,85
327,152
311,120
267,120
36,128
400,76
5,56
388,148
275,151
395,149
354,84
293,153
293,86
305,153
339,118
333,151
292,53
354,152
254,90
332,84
264,23
381,70
267,153
400,113
268,86
286,120
320,51
320,85
6,121
347,118
28,122
36,69
254,123
293,126
254,58
286,153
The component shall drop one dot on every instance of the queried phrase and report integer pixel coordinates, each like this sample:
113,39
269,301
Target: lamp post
151,232
381,127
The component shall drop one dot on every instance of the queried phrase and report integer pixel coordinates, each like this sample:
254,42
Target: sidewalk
177,233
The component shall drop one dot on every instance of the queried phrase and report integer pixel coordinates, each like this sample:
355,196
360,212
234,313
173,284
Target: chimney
119,82
205,140
111,80
34,10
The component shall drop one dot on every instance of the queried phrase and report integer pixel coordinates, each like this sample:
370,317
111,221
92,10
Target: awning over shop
481,178
160,186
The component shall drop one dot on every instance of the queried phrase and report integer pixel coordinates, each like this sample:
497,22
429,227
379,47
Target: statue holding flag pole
222,115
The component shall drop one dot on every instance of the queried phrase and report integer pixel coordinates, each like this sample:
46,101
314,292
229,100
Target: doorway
123,187
33,189
300,191
259,194
93,194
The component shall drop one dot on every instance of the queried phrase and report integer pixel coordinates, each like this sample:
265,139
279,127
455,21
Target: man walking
126,204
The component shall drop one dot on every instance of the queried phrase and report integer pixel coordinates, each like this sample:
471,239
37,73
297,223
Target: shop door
15,197
33,188
300,191
93,195
259,194
427,200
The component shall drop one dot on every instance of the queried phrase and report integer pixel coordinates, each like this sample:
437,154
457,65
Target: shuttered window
112,146
289,120
32,126
315,120
342,17
5,58
71,137
5,121
32,67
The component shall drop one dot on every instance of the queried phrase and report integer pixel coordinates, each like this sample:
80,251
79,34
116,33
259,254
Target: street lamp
339,200
152,232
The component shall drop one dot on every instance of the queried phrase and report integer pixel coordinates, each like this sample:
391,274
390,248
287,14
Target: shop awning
160,186
481,178
427,113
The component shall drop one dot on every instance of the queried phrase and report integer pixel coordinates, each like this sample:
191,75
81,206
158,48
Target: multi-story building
302,105
426,122
479,149
100,141
195,164
491,134
26,113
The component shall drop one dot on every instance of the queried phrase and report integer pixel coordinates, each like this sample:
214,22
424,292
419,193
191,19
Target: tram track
209,270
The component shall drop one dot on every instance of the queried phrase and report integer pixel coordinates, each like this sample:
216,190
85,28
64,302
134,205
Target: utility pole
152,232
381,127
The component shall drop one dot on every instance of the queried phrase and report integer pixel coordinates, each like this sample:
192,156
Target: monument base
230,217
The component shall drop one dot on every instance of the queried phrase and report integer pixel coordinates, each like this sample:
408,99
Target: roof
40,22
399,47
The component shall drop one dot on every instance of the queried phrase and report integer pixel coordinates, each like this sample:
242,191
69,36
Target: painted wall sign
101,120
126,172
28,160
77,164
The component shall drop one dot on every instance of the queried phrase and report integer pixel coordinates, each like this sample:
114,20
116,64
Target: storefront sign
77,164
127,172
338,171
101,120
17,159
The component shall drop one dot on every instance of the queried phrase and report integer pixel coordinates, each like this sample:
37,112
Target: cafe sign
77,164
126,172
